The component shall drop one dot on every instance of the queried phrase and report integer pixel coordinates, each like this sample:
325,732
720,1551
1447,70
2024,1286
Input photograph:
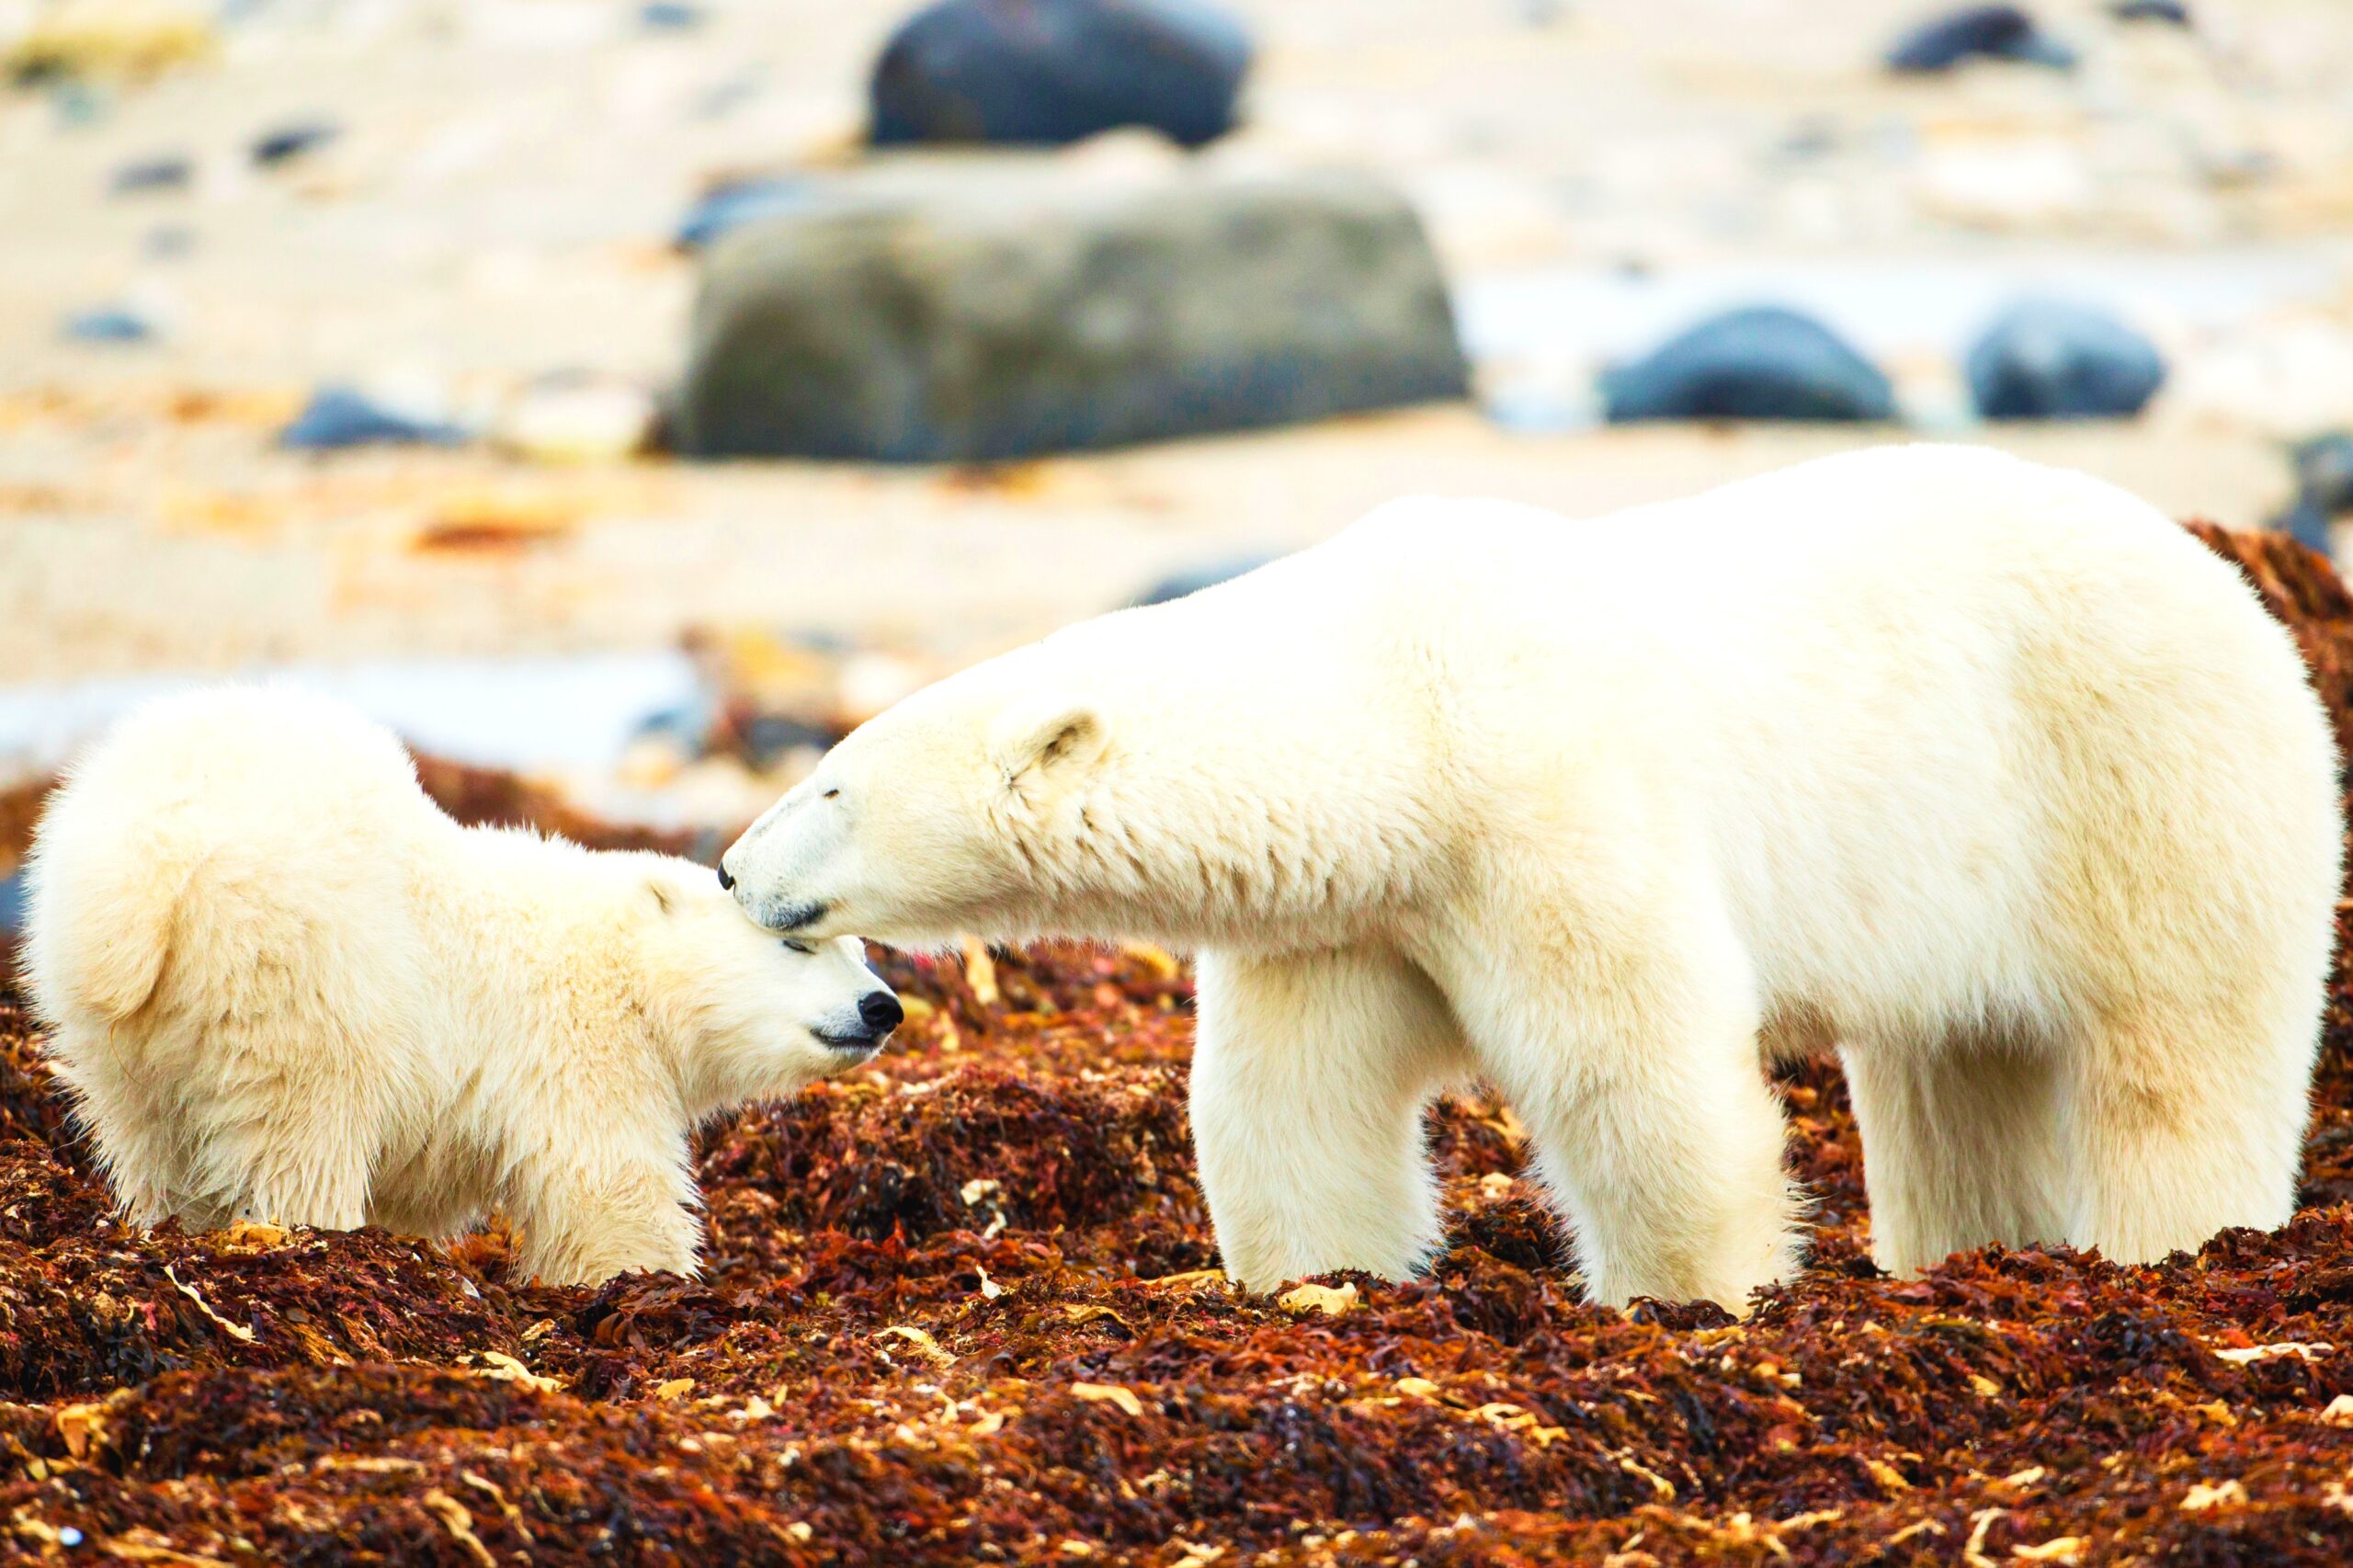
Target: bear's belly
441,1190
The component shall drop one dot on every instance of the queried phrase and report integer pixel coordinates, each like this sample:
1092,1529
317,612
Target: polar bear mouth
849,1044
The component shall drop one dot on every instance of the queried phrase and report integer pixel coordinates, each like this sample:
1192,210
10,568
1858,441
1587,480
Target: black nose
726,882
879,1012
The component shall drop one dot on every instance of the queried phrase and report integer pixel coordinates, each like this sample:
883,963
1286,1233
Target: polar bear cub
1985,774
283,986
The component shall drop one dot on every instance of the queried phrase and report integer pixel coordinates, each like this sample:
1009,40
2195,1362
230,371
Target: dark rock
154,174
2050,360
1762,362
739,201
981,319
667,15
2325,471
1978,32
1049,71
1208,575
2171,11
109,323
336,417
289,142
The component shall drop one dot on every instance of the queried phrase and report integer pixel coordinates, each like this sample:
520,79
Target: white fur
285,986
1984,773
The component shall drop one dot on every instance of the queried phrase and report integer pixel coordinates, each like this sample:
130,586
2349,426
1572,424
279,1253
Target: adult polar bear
1983,772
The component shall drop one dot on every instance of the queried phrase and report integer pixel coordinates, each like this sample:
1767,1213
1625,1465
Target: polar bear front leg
595,1209
1637,1071
1309,1072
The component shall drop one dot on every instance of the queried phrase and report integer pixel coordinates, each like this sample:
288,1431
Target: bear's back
219,852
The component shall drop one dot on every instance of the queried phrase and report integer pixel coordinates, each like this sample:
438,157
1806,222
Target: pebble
1762,362
77,104
1977,32
740,201
570,419
2308,525
2284,377
1208,575
2325,471
2053,359
2171,11
773,738
171,173
288,142
109,323
338,417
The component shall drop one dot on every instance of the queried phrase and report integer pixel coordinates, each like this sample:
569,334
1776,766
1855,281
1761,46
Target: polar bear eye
829,795
792,947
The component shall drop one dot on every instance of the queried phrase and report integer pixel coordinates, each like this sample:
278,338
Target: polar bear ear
1053,732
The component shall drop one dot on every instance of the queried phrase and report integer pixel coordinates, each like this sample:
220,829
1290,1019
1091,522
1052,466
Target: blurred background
636,395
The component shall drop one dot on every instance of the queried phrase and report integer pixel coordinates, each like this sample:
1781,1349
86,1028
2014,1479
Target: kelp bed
959,1308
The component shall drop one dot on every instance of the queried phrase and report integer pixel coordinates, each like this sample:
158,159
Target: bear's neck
1208,848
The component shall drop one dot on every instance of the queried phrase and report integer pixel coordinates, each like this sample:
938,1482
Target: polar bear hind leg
1309,1072
1963,1144
2179,1136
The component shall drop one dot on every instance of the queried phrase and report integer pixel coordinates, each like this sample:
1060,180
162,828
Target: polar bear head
954,810
1126,777
750,1015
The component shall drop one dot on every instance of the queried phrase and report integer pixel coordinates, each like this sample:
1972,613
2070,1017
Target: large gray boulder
990,314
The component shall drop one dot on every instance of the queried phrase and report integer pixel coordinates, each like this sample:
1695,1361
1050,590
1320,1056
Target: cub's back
216,845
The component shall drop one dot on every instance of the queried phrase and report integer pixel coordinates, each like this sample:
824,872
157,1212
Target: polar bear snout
878,1013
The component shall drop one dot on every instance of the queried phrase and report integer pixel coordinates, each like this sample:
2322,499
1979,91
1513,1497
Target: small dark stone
109,323
2325,471
2050,360
687,726
1049,71
769,738
1978,32
667,15
1762,362
336,417
288,142
154,174
2171,11
1208,575
2307,524
739,201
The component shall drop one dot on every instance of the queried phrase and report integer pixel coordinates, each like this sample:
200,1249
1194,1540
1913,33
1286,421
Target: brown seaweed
960,1307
